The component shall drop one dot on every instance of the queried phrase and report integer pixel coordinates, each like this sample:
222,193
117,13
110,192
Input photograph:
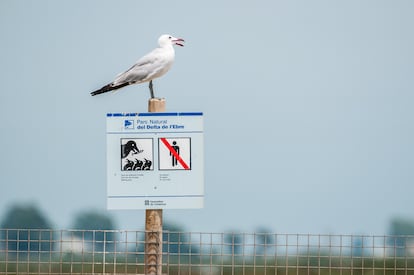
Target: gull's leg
151,90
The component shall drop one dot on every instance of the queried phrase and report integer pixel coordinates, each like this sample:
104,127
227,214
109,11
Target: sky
308,108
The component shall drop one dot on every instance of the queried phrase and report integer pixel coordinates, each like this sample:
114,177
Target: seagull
152,65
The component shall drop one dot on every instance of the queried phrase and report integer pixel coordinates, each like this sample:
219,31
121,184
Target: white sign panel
155,160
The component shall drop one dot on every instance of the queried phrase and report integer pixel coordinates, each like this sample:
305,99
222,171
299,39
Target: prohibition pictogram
175,154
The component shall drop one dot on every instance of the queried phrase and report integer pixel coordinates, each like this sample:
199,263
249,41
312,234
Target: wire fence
31,251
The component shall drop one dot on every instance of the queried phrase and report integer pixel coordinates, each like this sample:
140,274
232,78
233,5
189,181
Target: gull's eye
169,37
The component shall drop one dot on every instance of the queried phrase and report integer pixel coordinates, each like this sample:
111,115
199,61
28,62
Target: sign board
155,160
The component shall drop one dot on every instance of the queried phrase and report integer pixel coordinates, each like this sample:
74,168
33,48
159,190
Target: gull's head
167,39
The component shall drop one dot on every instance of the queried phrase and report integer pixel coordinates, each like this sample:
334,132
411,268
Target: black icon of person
176,149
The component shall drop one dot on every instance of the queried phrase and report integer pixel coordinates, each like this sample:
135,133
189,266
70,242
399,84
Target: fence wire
31,251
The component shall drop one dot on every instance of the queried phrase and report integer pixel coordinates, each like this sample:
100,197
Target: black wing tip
108,88
102,90
97,92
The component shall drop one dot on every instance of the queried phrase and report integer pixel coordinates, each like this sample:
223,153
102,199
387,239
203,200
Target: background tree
93,226
234,242
178,240
264,240
28,230
399,229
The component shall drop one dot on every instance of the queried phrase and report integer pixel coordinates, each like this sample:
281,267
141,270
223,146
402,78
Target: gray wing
142,70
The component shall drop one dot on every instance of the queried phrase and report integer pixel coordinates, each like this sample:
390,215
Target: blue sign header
154,114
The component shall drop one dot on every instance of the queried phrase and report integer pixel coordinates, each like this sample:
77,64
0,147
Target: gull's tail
108,88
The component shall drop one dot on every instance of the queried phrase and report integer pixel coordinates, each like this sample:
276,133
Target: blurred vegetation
33,249
93,224
400,227
27,217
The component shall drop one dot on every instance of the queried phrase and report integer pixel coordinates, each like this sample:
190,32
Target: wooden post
153,218
156,105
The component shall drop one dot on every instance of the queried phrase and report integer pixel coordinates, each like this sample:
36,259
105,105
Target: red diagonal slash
177,156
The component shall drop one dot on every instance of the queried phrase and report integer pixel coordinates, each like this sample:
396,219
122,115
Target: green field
215,264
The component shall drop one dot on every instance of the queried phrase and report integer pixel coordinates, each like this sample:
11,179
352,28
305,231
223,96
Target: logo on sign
129,124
